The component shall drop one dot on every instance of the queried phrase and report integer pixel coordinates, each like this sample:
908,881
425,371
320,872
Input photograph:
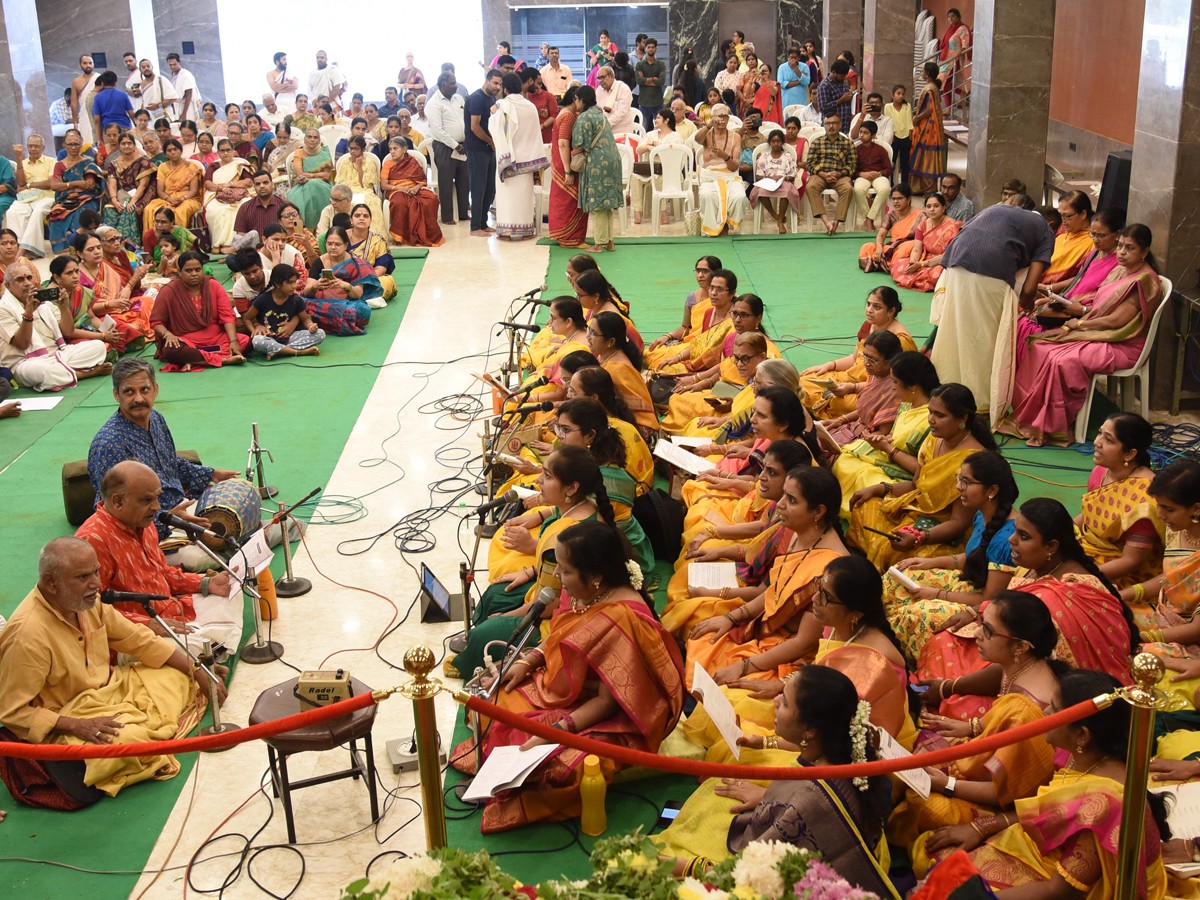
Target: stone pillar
695,23
799,21
24,105
70,30
177,22
887,57
841,29
497,27
1010,97
1163,189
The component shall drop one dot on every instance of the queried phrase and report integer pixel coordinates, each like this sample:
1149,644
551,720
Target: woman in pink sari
1095,629
954,51
1081,292
568,223
1052,381
194,323
922,267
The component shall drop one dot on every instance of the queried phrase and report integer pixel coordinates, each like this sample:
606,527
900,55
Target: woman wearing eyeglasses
895,231
1017,633
1073,241
878,402
608,340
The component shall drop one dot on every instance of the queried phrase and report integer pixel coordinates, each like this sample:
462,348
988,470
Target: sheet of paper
917,779
32,403
711,576
1185,809
677,456
718,707
258,552
769,184
506,767
902,578
682,440
524,492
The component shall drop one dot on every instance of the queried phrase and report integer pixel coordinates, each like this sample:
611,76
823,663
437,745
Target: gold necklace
580,606
1061,562
1090,769
1007,684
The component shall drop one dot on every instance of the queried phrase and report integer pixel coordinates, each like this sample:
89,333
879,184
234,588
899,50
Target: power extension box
404,761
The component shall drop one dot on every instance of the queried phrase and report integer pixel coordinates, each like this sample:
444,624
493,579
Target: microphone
193,530
111,597
544,406
538,301
545,597
532,329
503,500
540,381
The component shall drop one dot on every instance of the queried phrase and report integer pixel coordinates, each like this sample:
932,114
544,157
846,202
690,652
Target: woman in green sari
312,172
600,182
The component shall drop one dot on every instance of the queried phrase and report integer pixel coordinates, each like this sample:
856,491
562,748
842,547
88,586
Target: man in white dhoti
975,304
27,215
81,99
723,202
516,132
32,345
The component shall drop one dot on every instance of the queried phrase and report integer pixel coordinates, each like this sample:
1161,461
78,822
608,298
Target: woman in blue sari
312,176
8,185
78,185
340,303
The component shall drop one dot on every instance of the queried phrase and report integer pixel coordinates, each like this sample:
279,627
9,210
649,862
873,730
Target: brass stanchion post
1147,670
419,662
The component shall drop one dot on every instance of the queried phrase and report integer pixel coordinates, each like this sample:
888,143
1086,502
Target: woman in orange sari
102,286
568,223
928,162
775,633
179,184
609,342
704,350
895,232
922,267
414,207
606,669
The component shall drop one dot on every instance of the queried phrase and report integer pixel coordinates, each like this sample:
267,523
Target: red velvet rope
189,745
772,773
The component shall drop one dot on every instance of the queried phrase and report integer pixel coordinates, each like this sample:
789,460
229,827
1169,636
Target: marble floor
464,288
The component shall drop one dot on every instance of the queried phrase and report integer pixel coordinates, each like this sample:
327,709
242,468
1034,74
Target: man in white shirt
134,77
157,94
615,100
447,128
186,89
270,112
556,76
327,80
27,215
873,112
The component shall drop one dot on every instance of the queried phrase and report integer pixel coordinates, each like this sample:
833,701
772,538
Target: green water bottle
594,820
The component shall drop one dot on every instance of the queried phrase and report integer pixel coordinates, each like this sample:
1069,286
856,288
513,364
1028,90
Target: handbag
580,160
691,223
661,387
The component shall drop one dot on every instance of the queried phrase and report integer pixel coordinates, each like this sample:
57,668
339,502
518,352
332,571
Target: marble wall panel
1079,154
887,44
695,23
176,21
24,104
71,29
801,20
842,28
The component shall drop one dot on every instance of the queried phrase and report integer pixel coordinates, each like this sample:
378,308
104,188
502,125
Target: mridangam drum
233,507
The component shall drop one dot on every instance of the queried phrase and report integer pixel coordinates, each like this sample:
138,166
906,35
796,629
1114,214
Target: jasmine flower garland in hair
858,739
635,574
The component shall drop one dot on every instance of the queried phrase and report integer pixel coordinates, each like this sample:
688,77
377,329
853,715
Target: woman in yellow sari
751,538
848,373
882,459
775,633
747,352
360,171
922,516
609,342
367,244
694,307
568,326
179,184
1017,632
1118,526
543,342
606,670
704,350
1065,837
227,184
594,383
1072,243
692,394
596,295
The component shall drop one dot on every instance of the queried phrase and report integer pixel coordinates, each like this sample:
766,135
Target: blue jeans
481,167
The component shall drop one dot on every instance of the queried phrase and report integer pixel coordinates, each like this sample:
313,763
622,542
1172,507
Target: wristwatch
951,784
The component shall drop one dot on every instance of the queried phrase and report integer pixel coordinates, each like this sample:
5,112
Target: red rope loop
189,745
773,773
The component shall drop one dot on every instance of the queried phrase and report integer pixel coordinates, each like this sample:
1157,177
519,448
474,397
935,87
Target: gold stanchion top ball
419,662
1147,669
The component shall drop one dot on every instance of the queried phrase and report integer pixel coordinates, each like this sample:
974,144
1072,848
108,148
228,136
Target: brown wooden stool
279,701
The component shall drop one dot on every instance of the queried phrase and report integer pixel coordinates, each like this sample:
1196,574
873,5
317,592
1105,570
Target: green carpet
304,419
814,294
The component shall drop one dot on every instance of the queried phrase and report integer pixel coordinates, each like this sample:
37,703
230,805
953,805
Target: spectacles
699,269
563,430
112,240
742,360
735,314
826,598
1101,235
989,632
962,481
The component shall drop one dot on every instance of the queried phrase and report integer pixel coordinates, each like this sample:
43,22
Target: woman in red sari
194,322
1095,629
98,291
414,207
769,97
568,223
606,669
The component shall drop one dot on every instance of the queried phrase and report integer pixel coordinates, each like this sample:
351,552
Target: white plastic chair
1138,373
808,132
678,165
767,127
626,154
852,215
793,222
426,148
331,134
541,194
793,110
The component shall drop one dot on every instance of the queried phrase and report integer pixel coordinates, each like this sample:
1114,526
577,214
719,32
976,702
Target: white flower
404,877
635,574
758,868
858,739
691,888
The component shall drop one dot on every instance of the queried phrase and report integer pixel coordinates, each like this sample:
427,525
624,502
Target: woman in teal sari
312,174
78,185
339,303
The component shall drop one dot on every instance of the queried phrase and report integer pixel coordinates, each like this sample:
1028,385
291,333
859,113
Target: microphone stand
254,461
217,726
290,585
